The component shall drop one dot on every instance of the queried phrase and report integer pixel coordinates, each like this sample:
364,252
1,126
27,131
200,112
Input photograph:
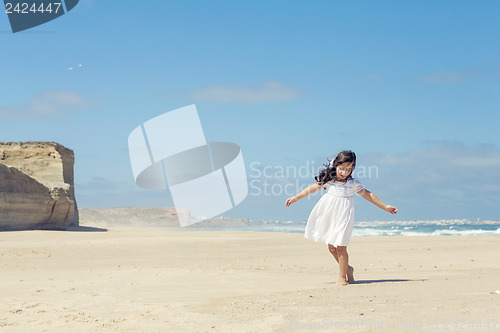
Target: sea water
384,228
428,229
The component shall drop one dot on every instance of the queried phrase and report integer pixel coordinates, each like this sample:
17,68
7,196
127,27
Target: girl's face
344,170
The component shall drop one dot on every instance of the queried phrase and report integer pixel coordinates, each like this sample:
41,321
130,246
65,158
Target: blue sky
411,87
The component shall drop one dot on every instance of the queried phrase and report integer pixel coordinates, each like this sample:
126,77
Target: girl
332,218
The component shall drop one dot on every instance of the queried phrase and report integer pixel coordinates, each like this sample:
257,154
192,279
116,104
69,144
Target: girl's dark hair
330,172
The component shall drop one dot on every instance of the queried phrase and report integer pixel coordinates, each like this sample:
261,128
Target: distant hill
158,217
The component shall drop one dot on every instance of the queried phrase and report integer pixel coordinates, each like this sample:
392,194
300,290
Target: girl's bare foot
342,282
350,274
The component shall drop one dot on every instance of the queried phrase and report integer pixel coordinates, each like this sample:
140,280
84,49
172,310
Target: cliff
36,186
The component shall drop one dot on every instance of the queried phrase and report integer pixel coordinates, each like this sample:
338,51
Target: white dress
332,218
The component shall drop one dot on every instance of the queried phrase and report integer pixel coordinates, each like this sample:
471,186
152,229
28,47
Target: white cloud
441,180
448,77
473,171
448,154
48,103
105,192
236,93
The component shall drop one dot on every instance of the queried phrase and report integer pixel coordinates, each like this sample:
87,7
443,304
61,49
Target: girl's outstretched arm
304,193
377,202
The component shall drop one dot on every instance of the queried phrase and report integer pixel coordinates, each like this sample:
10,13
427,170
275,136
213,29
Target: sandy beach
125,279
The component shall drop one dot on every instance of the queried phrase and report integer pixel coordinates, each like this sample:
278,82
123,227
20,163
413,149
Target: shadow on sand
381,281
384,281
86,229
71,229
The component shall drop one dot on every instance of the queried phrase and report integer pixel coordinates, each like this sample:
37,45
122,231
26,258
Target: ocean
429,229
385,228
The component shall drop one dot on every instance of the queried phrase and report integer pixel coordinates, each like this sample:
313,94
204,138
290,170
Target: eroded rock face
36,186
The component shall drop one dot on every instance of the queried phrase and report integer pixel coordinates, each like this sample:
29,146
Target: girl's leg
350,269
333,251
343,264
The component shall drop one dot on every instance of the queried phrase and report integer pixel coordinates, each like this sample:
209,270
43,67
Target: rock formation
36,186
